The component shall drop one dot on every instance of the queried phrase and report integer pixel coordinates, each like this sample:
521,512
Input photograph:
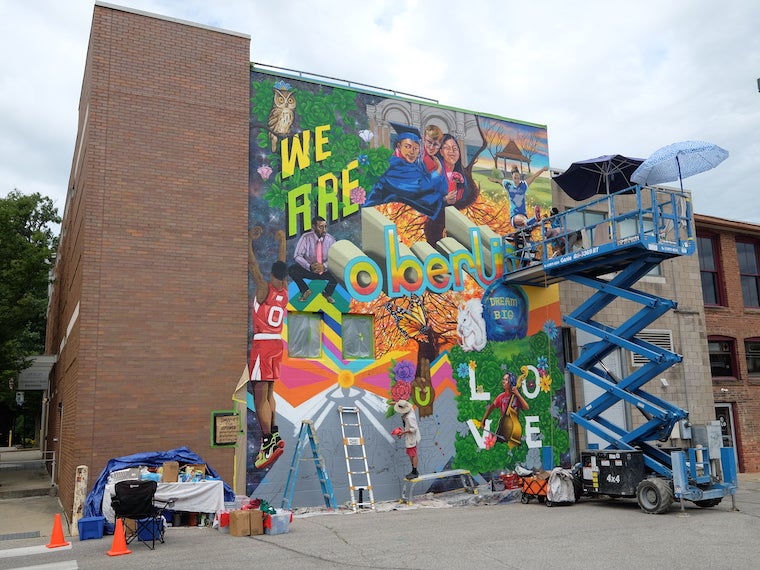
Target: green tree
27,249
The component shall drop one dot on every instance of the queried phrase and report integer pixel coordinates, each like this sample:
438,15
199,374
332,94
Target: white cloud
606,77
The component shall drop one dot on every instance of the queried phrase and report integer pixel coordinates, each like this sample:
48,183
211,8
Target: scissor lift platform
611,257
659,227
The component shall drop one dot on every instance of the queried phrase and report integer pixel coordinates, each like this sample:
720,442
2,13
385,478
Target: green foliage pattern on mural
491,364
335,107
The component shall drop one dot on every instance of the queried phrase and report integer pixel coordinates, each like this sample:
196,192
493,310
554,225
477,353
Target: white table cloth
201,497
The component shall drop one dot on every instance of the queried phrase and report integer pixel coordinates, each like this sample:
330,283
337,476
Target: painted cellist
509,402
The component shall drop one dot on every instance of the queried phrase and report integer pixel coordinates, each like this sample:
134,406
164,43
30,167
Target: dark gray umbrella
602,175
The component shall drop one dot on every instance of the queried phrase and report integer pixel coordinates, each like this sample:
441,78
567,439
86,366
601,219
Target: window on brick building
710,271
722,357
749,269
304,335
358,336
752,354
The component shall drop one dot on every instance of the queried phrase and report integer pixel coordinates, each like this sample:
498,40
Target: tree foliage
27,248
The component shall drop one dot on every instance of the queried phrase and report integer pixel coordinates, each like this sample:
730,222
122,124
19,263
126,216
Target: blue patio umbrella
678,161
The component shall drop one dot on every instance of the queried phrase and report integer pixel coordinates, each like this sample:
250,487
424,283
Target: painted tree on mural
423,325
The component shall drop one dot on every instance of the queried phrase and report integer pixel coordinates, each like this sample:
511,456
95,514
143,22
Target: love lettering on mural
531,430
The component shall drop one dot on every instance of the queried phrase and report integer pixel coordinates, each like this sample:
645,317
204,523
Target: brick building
178,161
149,279
729,254
148,310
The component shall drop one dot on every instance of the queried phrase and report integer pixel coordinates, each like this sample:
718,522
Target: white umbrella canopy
678,161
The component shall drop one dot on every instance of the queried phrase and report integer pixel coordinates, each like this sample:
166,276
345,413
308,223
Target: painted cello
509,426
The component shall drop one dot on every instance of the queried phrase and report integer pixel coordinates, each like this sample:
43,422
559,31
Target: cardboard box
194,472
240,523
91,527
170,471
130,526
193,467
257,522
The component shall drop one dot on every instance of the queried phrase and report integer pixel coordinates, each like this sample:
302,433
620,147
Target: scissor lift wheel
654,495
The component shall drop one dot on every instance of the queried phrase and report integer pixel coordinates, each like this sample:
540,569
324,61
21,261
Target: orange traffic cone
119,544
56,536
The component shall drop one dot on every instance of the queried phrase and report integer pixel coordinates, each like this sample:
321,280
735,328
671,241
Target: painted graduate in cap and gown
407,180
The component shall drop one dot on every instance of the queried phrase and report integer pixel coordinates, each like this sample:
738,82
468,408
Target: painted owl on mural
283,113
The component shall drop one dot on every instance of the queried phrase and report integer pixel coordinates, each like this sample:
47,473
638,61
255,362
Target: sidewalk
28,499
25,482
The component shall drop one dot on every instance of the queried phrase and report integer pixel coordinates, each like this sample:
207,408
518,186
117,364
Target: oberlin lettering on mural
385,265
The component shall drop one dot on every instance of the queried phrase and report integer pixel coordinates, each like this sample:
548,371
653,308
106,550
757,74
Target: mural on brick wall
375,275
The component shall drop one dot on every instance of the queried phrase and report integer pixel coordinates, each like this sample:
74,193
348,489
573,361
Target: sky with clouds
606,77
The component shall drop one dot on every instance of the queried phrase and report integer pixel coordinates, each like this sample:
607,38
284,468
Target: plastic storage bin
91,527
278,523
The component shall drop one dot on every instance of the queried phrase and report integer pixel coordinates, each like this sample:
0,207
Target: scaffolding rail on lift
357,466
642,223
308,433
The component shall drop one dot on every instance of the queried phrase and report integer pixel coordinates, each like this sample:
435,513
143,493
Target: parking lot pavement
434,534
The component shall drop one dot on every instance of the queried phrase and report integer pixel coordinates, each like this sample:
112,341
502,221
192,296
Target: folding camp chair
135,500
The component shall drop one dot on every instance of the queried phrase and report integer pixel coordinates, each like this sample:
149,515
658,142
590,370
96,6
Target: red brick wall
737,322
155,246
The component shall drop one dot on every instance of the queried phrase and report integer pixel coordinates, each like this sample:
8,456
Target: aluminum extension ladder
308,433
356,458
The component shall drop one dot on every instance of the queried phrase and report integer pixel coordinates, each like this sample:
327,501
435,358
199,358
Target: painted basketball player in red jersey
268,316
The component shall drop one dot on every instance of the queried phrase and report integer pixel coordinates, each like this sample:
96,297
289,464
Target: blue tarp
93,505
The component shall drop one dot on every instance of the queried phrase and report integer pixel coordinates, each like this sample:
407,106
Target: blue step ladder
308,433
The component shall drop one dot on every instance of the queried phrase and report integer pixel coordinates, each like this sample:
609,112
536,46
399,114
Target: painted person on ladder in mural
268,316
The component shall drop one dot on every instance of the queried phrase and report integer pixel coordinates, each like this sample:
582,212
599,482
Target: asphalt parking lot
435,533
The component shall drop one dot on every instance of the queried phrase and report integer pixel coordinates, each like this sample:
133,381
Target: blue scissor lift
644,227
